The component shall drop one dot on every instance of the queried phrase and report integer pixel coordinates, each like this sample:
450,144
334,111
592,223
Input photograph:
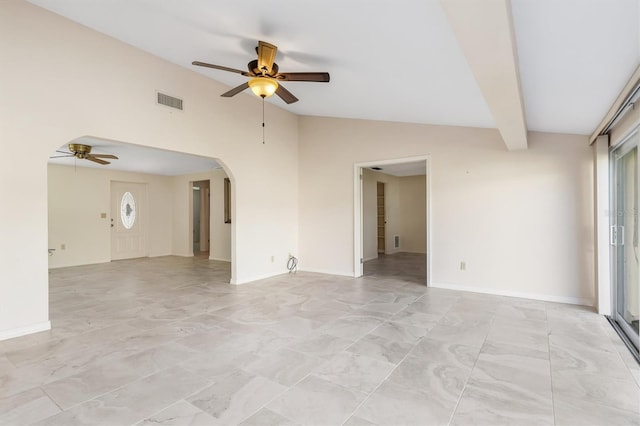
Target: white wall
77,196
96,86
413,214
522,221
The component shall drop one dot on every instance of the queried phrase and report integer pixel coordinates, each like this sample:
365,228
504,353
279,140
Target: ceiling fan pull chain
263,121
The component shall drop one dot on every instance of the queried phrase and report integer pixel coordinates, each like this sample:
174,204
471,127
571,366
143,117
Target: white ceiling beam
484,30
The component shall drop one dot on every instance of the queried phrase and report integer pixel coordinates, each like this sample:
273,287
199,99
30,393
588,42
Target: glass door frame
617,152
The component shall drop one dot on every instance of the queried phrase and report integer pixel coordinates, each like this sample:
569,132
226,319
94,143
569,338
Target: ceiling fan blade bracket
266,56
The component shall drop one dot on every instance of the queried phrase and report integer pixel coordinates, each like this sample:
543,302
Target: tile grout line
52,400
464,388
392,370
382,382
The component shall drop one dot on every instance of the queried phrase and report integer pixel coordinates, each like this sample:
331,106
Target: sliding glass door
624,238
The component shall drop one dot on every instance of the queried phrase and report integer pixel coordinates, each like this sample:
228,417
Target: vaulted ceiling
543,65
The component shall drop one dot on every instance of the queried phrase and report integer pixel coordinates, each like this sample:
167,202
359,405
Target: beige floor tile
26,407
569,412
179,414
393,404
236,397
311,348
315,401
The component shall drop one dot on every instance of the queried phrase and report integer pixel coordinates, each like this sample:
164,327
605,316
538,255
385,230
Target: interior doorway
391,205
201,214
382,220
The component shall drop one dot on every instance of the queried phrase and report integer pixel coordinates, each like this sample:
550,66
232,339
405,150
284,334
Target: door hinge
361,261
616,236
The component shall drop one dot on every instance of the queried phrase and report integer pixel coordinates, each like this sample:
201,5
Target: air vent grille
396,241
169,101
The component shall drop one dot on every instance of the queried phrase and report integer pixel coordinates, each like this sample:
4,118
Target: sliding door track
627,342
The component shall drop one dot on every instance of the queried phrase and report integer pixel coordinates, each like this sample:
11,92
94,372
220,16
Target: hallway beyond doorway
405,266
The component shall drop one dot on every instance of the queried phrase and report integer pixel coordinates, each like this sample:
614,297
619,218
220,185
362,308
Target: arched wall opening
97,85
87,224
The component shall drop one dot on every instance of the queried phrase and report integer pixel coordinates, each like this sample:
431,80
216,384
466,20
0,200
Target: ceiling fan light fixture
263,86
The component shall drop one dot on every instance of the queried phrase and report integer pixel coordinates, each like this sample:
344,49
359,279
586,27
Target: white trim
327,272
535,296
219,259
602,212
257,278
23,331
358,211
358,220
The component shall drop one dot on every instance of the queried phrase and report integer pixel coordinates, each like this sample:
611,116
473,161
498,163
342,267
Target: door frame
192,224
384,219
358,209
613,191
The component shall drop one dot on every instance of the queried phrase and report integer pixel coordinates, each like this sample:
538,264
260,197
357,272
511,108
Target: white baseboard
23,331
219,259
523,295
327,272
258,278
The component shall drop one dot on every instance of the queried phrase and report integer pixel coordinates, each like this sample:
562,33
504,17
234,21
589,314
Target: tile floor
166,341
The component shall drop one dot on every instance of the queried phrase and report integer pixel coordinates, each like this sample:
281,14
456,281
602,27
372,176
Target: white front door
128,220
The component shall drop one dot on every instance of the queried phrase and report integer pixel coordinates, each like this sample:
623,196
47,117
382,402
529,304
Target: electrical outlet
463,266
63,246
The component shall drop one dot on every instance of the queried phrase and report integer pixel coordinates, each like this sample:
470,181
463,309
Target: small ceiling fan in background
265,75
83,152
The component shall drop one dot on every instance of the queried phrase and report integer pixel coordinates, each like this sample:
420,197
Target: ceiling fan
83,152
265,75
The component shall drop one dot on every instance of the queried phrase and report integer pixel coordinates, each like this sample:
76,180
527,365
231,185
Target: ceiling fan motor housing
254,68
79,150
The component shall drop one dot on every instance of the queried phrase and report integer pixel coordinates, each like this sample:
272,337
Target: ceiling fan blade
235,90
62,156
285,95
65,152
96,160
320,77
104,156
220,67
266,56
